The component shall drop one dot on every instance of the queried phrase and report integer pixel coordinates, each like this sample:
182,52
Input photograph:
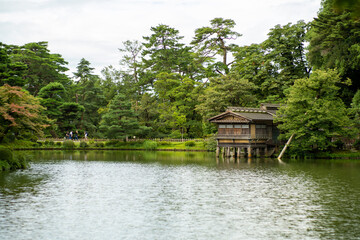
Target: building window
222,126
241,126
229,126
261,130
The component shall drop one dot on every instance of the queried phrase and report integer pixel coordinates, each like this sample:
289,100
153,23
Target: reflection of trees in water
161,157
14,184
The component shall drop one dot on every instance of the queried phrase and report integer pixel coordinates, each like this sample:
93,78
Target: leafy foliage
120,120
171,88
334,43
68,144
20,112
225,91
211,41
314,113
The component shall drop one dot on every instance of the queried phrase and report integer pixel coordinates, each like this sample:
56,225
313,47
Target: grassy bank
206,145
354,154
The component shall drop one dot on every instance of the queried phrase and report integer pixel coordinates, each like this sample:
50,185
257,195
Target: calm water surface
165,195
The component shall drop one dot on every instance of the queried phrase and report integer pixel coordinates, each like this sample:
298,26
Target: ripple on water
132,200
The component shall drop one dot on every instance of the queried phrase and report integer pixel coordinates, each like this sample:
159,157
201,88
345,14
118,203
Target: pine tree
120,121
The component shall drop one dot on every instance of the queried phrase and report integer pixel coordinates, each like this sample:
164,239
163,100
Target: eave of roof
227,113
250,116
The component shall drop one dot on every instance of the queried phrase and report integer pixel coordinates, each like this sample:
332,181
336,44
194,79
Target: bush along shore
12,161
191,145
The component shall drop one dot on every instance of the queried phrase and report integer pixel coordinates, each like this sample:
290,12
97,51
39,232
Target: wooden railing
243,136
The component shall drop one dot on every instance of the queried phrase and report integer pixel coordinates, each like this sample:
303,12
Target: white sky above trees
95,29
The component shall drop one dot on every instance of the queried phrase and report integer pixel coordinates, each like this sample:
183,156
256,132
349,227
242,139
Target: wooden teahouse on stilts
246,131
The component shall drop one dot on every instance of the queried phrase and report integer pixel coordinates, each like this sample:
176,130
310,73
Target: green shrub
99,144
6,158
5,153
9,161
83,144
46,142
58,144
176,134
149,145
190,143
4,166
210,144
68,144
51,143
21,161
39,144
339,145
356,144
112,143
162,143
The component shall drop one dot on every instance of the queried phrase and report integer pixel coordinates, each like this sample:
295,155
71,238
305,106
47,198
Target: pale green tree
314,113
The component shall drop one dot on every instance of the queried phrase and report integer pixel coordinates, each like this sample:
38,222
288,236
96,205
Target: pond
178,195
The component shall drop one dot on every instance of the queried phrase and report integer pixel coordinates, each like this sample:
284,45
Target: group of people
75,135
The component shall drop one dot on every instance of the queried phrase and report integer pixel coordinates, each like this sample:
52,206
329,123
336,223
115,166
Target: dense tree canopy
172,88
314,112
119,122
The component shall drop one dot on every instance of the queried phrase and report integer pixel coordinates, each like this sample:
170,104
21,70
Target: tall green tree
226,91
353,6
252,64
163,52
52,97
43,67
334,44
131,61
110,81
88,94
177,103
11,73
120,121
314,112
213,40
70,117
285,51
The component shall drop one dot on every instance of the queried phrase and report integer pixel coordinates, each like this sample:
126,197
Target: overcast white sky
95,29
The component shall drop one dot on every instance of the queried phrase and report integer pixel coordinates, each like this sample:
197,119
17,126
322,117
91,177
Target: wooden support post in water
249,152
217,151
286,145
238,153
257,152
266,152
232,154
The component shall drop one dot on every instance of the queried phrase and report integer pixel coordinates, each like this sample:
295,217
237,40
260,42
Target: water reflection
177,195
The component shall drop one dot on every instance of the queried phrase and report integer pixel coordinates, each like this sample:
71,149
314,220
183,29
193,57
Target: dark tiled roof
265,113
257,116
244,109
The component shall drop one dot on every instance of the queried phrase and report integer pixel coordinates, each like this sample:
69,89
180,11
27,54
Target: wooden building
246,131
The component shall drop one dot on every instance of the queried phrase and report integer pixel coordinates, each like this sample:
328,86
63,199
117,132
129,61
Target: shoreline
121,149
